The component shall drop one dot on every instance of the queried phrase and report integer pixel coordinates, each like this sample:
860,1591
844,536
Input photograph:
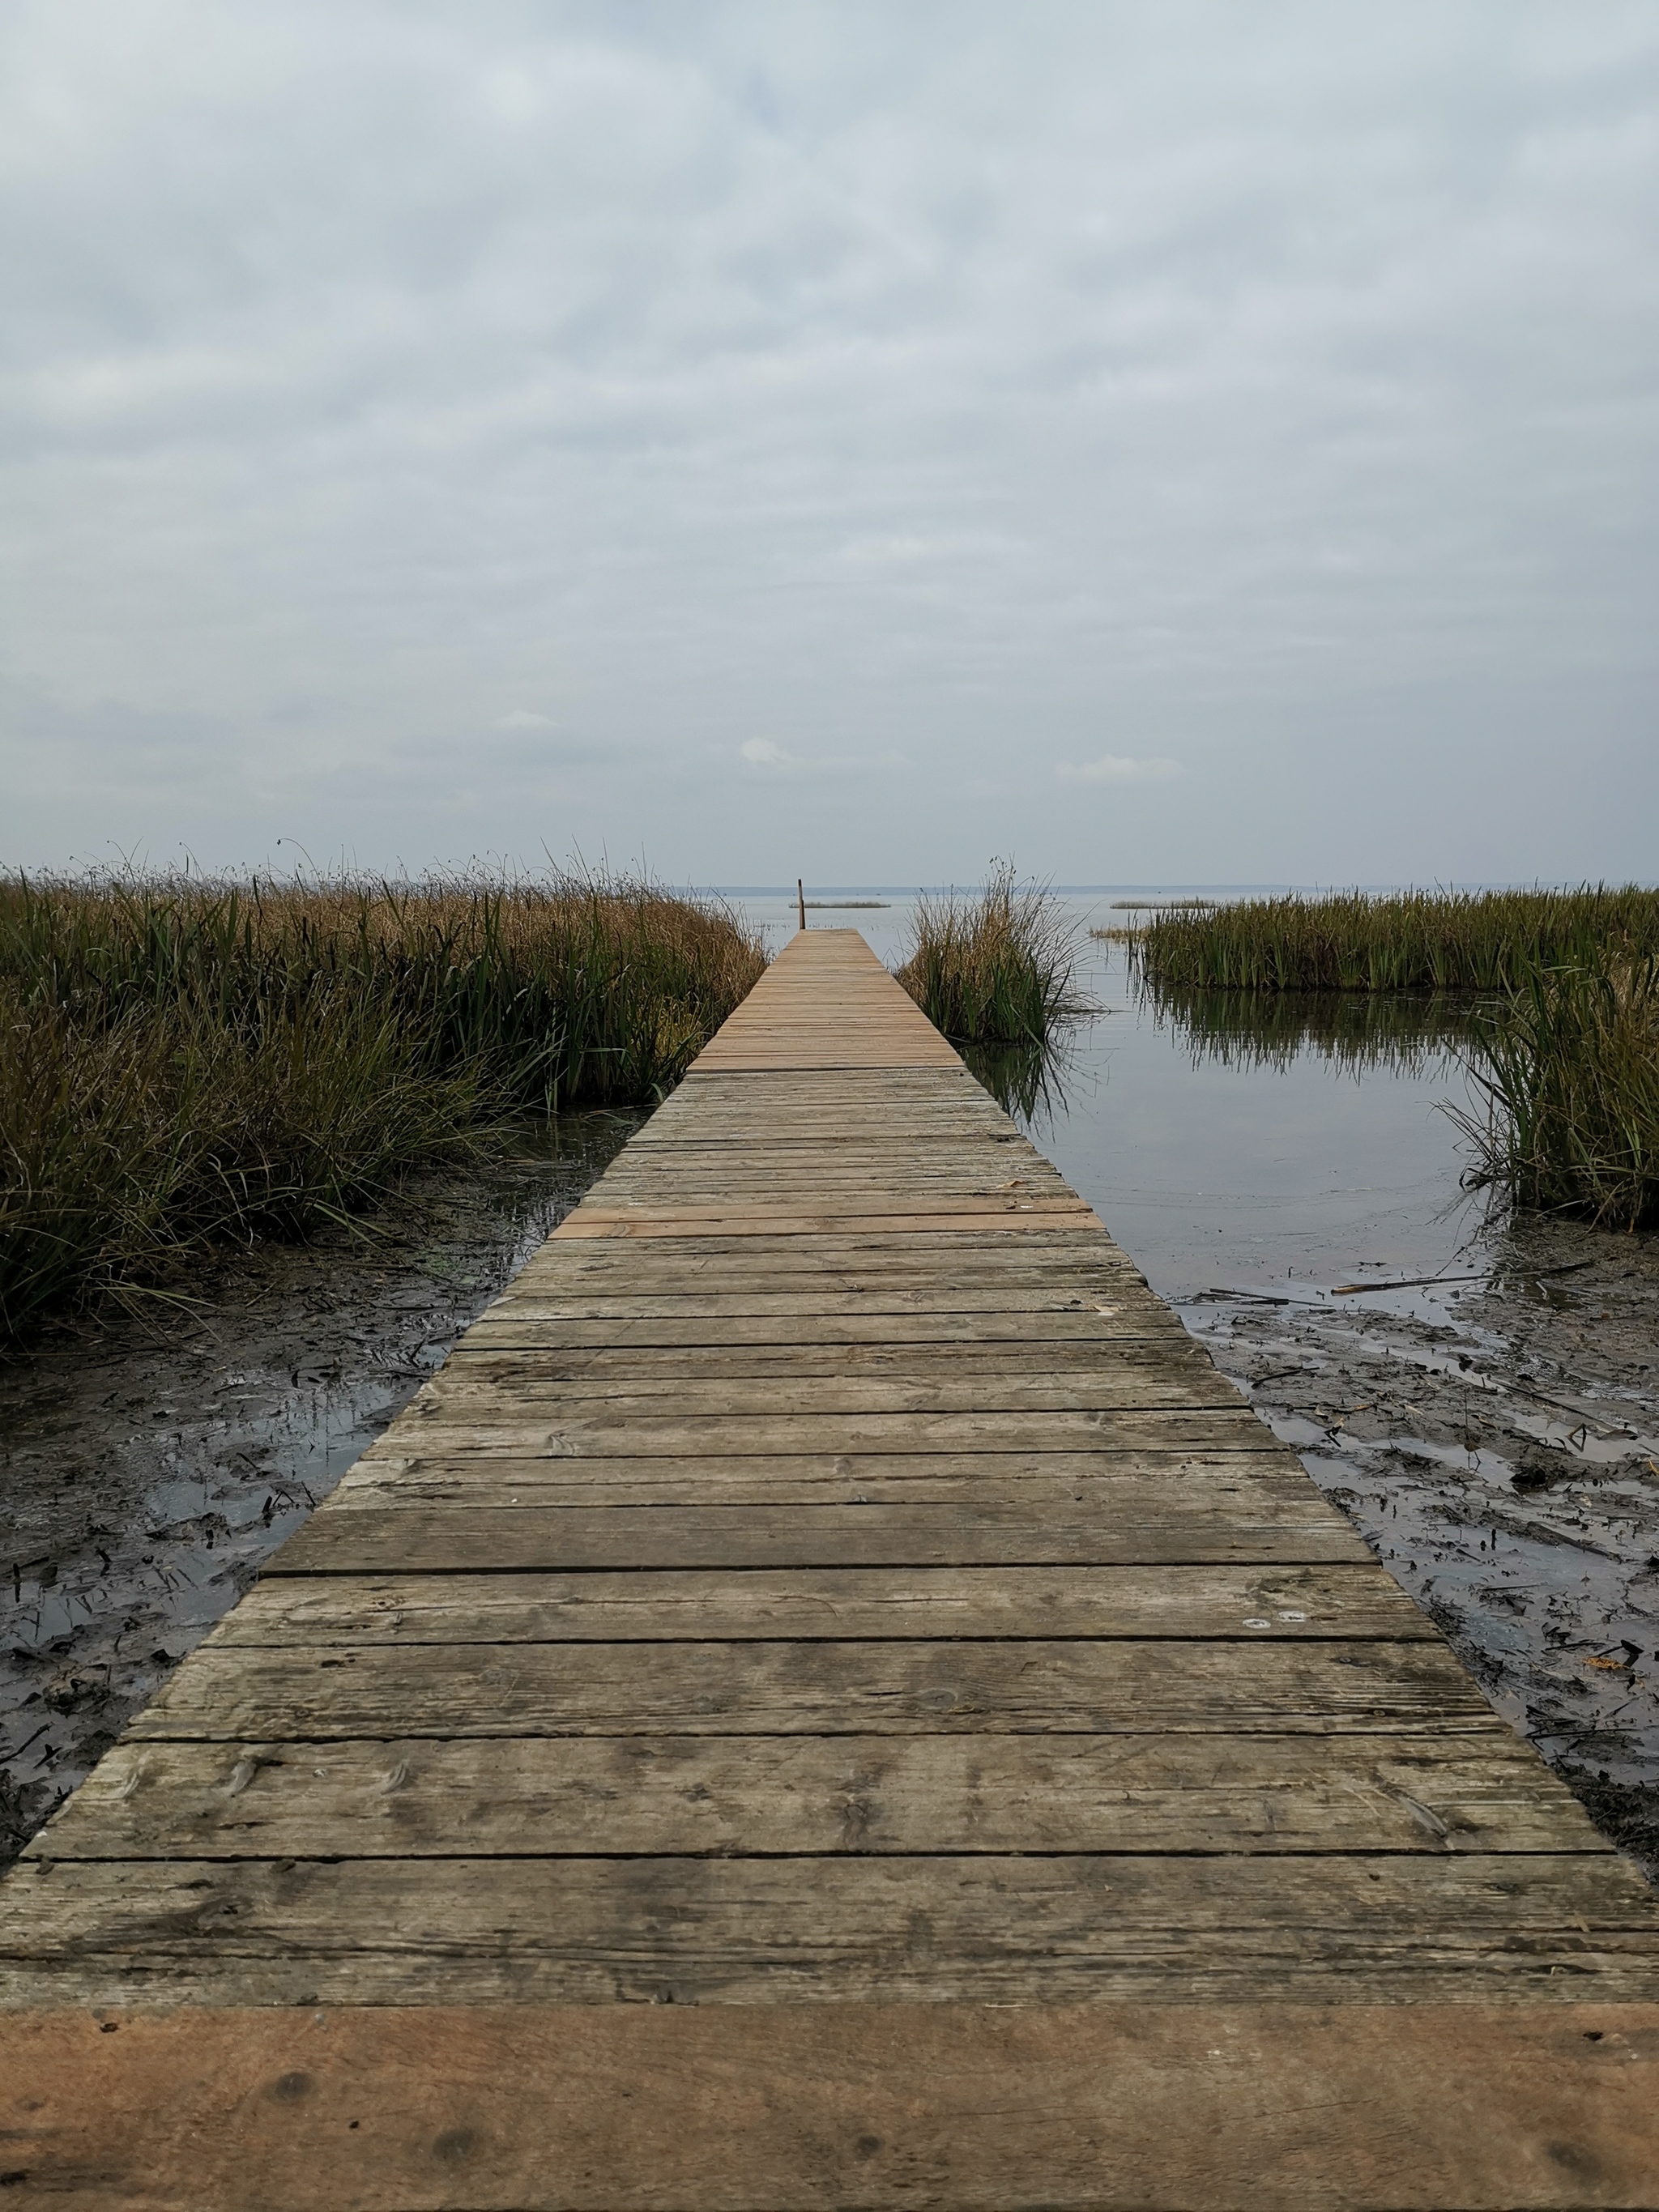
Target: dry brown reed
994,967
183,1061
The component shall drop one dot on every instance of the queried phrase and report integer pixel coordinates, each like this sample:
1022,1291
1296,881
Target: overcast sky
1160,442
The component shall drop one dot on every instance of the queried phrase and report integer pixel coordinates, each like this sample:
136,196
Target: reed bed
184,1062
1486,941
995,967
1566,1090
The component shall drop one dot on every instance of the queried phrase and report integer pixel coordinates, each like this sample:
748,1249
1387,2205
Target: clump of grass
995,967
1568,1086
182,1062
1486,941
132,1145
1159,906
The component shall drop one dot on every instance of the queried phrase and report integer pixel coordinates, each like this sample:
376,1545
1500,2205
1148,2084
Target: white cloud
764,754
1113,767
521,718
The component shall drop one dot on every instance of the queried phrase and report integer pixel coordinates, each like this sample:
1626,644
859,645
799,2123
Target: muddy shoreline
1497,1442
148,1465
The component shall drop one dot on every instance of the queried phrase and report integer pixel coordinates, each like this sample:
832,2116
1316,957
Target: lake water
1231,1171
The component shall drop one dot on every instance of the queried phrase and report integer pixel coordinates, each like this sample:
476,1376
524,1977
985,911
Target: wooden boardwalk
827,1698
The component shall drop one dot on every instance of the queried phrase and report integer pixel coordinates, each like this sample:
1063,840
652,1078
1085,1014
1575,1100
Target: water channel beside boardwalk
1494,1432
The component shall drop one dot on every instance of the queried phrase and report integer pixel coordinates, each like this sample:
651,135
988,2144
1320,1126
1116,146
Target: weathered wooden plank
906,1688
752,1192
685,1225
759,1196
533,1324
1144,2107
761,1173
599,1278
862,1311
485,1536
789,1796
600,1427
779,1208
511,1386
1113,1335
973,1256
811,1604
764,1170
1124,1507
1031,1929
713,1132
603,1269
600,1273
761,1166
1115,1483
1091,1367
985,1254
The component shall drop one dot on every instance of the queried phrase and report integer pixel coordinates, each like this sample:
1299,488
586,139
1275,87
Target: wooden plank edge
808,1223
1198,2108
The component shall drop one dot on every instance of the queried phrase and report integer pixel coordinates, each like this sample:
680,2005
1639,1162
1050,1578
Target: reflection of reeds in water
1563,1071
1028,1081
1404,1033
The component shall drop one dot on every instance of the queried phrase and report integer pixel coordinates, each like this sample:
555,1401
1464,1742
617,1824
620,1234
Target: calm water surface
1224,1172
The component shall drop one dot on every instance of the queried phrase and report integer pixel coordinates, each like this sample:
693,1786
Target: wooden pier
828,1698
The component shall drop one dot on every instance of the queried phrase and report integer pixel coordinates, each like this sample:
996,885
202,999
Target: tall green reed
1485,941
1565,1112
182,1062
564,991
995,967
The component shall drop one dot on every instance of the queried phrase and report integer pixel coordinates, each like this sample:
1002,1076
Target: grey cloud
859,382
1119,768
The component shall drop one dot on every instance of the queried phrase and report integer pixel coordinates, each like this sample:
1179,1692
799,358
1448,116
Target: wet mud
148,1466
1497,1442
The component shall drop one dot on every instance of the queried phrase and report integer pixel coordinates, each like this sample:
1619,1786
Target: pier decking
827,1698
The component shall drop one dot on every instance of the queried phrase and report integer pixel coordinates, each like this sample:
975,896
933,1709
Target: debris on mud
1627,1813
149,1467
1497,1442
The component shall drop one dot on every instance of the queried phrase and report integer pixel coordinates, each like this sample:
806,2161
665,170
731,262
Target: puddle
149,1467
